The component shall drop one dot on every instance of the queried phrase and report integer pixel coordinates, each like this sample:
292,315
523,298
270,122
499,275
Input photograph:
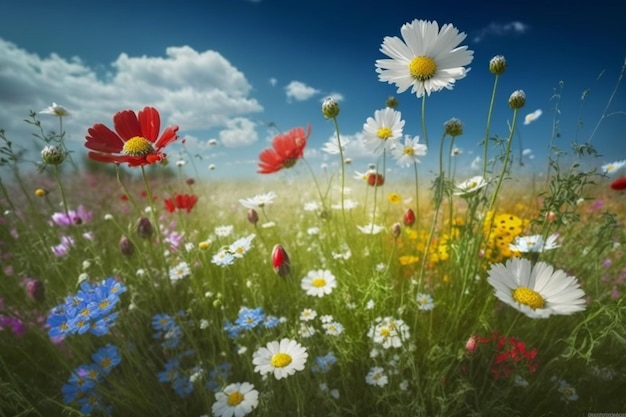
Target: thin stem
493,99
619,80
417,198
61,190
424,132
505,163
343,176
319,191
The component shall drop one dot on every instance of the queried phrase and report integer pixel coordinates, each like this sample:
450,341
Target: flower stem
343,174
424,132
61,190
493,99
505,163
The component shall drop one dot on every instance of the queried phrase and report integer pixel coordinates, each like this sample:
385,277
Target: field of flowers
145,291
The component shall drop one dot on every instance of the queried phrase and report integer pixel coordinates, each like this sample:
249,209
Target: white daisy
389,332
235,400
470,186
428,60
239,247
318,283
223,231
306,330
258,201
282,358
407,154
370,229
333,328
534,243
308,314
332,146
223,258
425,302
612,167
55,110
381,131
537,291
180,271
376,376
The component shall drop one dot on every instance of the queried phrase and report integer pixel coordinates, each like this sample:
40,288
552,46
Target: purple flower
62,248
72,217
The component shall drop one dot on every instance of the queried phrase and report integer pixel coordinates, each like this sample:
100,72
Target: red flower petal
619,184
150,123
126,124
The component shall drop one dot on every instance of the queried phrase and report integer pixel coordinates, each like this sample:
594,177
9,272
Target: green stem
505,163
493,99
343,175
61,190
424,132
319,191
417,198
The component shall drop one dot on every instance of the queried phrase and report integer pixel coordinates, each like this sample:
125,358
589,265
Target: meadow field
131,287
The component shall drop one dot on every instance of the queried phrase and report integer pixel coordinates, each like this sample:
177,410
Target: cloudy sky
235,70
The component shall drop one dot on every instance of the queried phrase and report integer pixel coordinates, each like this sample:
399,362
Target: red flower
280,261
619,184
409,217
135,141
287,149
375,179
180,201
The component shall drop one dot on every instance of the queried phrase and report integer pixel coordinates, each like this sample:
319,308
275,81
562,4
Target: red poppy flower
181,202
409,217
619,184
135,141
375,180
287,149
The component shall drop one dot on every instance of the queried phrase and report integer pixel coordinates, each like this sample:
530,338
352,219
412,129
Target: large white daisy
427,60
537,291
235,400
381,131
282,358
318,283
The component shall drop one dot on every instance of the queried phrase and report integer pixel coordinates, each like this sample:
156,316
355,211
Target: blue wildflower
249,318
324,363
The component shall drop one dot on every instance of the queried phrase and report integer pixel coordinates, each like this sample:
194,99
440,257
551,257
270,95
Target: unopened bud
253,216
396,230
517,100
36,290
126,246
280,261
497,65
409,217
391,102
330,108
52,155
144,228
453,127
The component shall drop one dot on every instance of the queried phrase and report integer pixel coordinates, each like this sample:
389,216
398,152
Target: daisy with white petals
258,201
389,332
426,58
534,243
381,131
612,167
282,358
318,283
407,154
537,291
470,186
235,400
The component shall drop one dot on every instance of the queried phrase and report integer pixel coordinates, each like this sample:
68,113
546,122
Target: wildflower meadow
131,286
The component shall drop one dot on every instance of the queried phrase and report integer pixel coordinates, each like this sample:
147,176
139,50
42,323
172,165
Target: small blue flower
324,363
107,357
249,318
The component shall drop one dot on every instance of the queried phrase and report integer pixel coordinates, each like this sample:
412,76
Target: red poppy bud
409,217
190,181
144,228
280,261
619,184
253,216
375,180
36,290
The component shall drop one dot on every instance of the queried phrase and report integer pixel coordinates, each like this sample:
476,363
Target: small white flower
258,201
204,323
370,229
389,332
306,330
223,231
235,400
223,258
534,243
425,302
241,246
180,271
531,117
55,110
376,376
470,186
333,328
318,283
612,167
308,314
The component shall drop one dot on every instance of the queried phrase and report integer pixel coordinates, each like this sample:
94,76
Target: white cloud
273,81
531,117
501,29
239,132
338,97
299,91
196,90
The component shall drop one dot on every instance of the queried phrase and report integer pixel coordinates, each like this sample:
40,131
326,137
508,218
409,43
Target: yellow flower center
409,151
235,398
528,297
105,363
422,68
319,282
280,360
137,146
384,133
385,332
472,185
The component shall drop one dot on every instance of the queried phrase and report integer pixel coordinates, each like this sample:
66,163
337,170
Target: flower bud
409,217
144,228
36,290
453,127
41,192
126,246
471,345
330,108
497,65
52,155
517,99
396,230
391,102
253,216
280,261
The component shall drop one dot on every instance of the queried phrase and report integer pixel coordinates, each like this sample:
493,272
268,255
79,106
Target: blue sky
226,69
